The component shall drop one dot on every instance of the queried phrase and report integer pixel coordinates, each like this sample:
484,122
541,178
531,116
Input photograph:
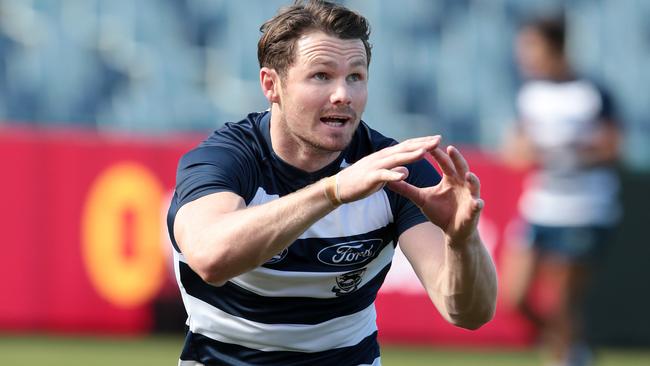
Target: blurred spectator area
443,66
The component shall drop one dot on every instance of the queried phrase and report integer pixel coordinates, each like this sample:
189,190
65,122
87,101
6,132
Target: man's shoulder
243,132
241,139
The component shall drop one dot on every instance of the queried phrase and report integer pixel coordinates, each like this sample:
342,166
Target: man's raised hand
454,204
371,173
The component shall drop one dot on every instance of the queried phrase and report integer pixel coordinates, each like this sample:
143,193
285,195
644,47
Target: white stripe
376,362
192,363
340,332
262,197
354,218
594,204
274,283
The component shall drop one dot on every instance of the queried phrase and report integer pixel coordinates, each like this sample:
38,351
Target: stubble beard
312,142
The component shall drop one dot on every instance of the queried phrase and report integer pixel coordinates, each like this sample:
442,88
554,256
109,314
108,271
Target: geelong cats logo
348,282
352,252
278,257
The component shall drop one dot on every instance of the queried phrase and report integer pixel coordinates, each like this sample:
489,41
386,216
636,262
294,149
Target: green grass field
100,351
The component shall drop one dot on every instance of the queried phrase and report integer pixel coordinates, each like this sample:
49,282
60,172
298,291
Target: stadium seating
440,66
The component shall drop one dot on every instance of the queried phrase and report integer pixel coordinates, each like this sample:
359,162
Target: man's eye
355,77
320,76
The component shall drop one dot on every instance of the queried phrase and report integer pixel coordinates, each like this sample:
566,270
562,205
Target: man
568,135
285,223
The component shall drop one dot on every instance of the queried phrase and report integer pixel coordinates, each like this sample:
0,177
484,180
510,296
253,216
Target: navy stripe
328,255
211,352
242,303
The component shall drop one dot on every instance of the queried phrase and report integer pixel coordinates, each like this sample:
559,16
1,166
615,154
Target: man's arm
460,280
221,238
447,253
604,145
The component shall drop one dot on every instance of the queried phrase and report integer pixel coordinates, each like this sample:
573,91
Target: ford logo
352,252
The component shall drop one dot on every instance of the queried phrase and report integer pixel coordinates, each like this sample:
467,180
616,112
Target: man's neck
561,70
295,152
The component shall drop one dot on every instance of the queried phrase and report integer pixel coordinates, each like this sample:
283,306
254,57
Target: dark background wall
619,306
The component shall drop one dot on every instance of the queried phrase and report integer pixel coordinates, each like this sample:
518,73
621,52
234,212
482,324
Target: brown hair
552,29
275,48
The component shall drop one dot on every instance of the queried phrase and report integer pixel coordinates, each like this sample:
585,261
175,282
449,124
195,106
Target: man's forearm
244,239
469,283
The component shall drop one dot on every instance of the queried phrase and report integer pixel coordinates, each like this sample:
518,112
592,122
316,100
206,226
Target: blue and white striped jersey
560,117
313,303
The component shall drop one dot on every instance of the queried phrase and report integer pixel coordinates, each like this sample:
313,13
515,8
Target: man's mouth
335,120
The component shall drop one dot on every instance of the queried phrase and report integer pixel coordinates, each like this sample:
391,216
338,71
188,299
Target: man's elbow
470,324
212,278
223,265
210,269
473,320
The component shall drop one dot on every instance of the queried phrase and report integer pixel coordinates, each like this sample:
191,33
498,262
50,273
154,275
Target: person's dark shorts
571,243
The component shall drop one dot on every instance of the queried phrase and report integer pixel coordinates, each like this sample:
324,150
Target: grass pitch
31,350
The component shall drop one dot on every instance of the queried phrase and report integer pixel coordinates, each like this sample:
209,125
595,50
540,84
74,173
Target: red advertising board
85,247
83,232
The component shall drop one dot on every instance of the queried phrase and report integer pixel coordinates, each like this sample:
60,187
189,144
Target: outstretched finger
474,184
394,175
477,207
425,139
444,161
459,160
401,169
427,143
401,158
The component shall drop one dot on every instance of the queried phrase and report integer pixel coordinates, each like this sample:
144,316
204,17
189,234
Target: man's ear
270,83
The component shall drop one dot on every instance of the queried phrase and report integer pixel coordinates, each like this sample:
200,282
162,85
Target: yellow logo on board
121,228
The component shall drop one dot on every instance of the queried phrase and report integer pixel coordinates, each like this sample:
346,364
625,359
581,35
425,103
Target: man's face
534,53
324,92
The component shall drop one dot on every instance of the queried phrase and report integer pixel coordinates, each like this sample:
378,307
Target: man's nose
341,93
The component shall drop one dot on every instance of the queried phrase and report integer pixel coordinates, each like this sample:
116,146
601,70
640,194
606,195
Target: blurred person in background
568,139
284,224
